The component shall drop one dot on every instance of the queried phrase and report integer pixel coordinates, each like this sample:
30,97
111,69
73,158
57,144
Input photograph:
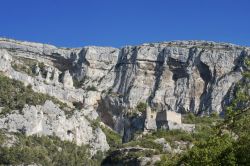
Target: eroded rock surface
49,119
181,76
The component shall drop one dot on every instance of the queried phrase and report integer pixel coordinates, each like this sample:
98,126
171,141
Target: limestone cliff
180,76
50,120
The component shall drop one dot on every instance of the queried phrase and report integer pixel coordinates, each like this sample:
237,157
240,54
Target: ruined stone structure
168,120
150,121
169,116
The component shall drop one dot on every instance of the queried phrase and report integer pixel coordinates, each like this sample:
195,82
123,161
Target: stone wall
173,116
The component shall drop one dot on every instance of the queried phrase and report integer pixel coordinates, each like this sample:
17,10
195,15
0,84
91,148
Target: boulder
67,80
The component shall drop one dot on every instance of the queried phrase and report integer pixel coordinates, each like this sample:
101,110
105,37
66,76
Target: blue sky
76,23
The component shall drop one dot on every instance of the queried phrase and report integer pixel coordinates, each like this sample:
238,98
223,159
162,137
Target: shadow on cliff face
79,63
60,62
125,70
206,75
107,111
115,115
239,66
159,68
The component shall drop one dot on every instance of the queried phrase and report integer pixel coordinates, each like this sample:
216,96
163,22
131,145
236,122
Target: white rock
67,80
48,119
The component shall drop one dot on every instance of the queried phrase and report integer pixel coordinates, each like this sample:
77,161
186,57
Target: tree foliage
141,107
230,145
227,142
46,150
14,95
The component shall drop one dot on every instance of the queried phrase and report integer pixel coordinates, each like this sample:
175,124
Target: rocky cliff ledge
180,76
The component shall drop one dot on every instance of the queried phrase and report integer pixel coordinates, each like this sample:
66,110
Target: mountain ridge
110,84
137,45
111,99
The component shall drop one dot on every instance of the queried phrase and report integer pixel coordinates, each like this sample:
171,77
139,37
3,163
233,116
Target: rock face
5,61
67,80
181,76
120,157
48,119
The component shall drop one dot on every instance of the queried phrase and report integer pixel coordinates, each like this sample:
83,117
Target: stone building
168,120
150,121
164,117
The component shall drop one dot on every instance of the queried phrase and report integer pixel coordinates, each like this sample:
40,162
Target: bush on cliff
141,107
229,143
14,95
114,139
45,150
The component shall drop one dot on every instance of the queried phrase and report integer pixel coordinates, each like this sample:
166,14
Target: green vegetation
91,88
41,66
128,158
94,123
26,65
216,141
46,150
141,107
227,141
204,126
190,118
78,105
14,95
22,68
216,151
174,135
78,84
147,141
114,139
137,154
169,160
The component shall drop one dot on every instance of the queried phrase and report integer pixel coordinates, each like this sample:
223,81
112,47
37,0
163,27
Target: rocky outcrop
62,90
178,76
177,147
67,80
5,60
131,156
48,119
181,76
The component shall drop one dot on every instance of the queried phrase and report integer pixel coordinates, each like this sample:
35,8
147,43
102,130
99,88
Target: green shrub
95,123
114,139
22,68
215,151
14,95
168,160
214,115
137,154
194,119
78,84
46,150
173,135
43,72
78,105
91,88
141,107
229,142
27,66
